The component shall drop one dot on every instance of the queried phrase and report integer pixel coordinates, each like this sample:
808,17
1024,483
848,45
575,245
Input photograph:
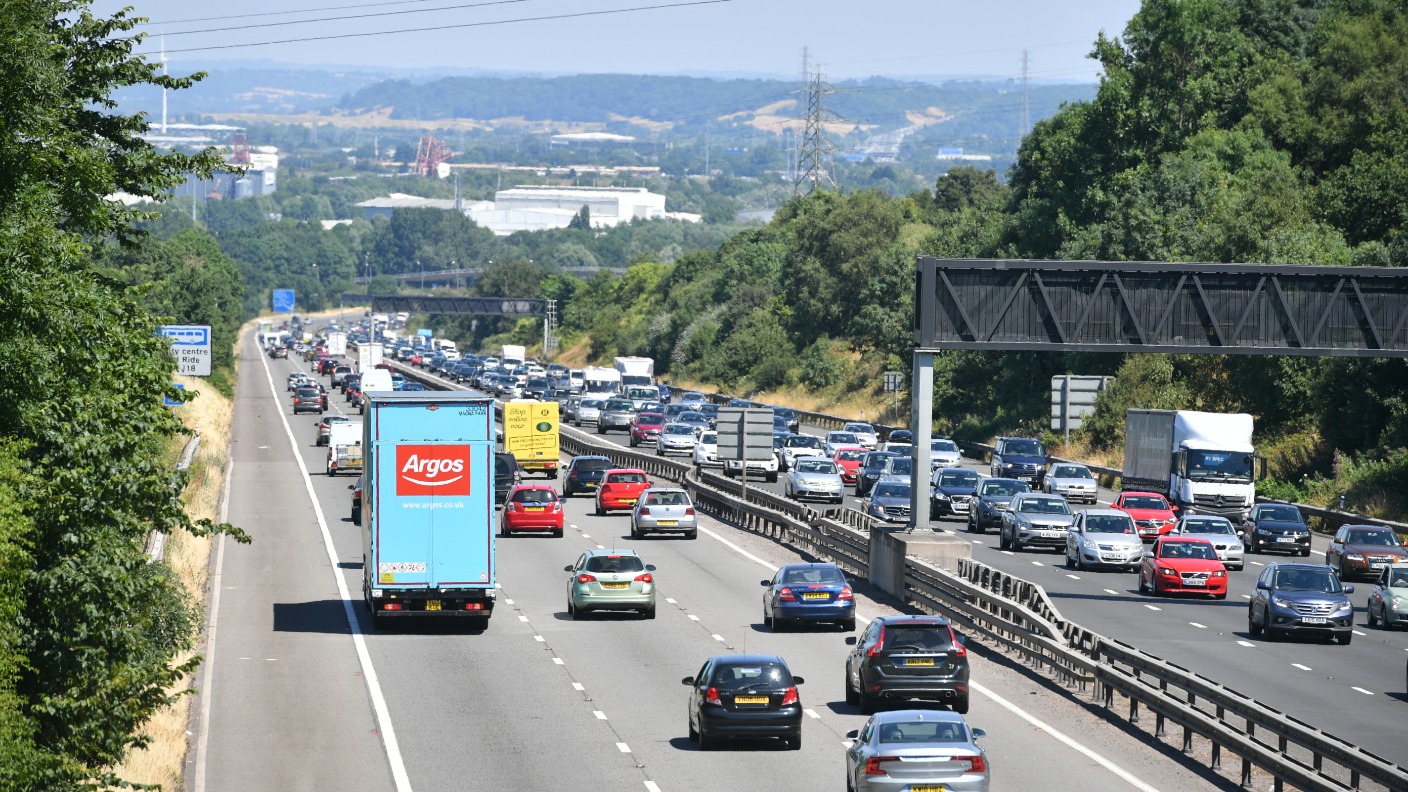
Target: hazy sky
747,37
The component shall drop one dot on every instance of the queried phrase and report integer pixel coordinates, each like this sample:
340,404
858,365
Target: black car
278,352
584,474
1275,526
1301,599
870,469
1019,458
907,657
788,415
505,475
744,695
951,492
992,498
900,436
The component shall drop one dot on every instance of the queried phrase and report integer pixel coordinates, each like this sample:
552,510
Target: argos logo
432,470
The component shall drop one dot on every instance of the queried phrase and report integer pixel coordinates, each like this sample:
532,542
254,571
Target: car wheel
648,613
1373,617
635,534
1142,588
772,478
852,697
1345,637
557,534
504,532
961,705
572,611
768,621
1070,563
868,703
600,430
1221,596
706,743
1305,552
693,733
1253,629
849,625
692,534
1016,542
600,512
1002,540
794,743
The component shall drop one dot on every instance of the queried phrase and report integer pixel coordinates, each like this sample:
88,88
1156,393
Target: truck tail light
474,606
392,606
585,578
645,578
790,697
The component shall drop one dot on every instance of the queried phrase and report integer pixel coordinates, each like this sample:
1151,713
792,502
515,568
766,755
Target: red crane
429,156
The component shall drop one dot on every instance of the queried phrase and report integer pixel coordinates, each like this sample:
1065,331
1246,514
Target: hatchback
620,489
584,474
1183,565
664,510
532,507
916,750
815,477
848,460
808,593
907,657
610,580
645,428
744,695
675,438
308,399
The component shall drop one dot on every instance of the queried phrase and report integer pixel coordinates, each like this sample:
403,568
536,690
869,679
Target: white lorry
1204,462
635,370
337,344
368,356
513,355
345,448
597,379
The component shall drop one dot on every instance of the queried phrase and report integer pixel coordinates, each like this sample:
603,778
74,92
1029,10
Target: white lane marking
508,601
1097,758
203,734
1246,643
1362,690
359,641
1073,577
1153,607
623,748
1006,552
577,686
692,617
718,637
599,714
974,541
522,618
1317,552
669,600
538,638
557,661
584,536
1037,563
1199,626
1246,596
651,786
1356,632
738,549
812,714
601,547
1112,591
1258,563
1301,667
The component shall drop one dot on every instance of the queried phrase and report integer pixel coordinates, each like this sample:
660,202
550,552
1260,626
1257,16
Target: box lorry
596,379
531,434
1204,462
368,356
337,344
635,370
428,506
513,355
345,448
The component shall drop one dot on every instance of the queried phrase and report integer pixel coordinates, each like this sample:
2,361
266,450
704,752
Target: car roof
914,620
625,470
620,551
591,456
1143,494
1296,565
811,565
666,489
533,485
1106,513
952,469
936,715
747,658
999,478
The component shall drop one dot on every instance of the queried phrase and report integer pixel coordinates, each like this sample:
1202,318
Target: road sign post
744,435
190,345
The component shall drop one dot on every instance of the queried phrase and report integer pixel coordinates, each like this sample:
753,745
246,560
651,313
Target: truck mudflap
412,604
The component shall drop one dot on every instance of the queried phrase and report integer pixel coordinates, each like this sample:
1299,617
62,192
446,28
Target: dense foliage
88,628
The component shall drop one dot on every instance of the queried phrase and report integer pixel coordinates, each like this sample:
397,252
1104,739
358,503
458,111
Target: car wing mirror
853,734
977,733
567,568
766,582
649,567
851,640
1349,589
1261,584
351,486
796,680
689,680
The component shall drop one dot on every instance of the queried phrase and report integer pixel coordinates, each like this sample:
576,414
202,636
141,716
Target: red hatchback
645,428
620,489
532,507
1178,565
848,459
1153,517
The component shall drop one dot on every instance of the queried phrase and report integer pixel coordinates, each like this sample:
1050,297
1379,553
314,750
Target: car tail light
712,696
645,511
879,642
644,578
556,506
959,650
689,511
789,697
976,764
846,594
585,578
786,595
572,475
511,506
872,765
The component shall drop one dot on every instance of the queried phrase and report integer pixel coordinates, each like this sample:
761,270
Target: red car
620,489
1153,517
1178,565
848,459
532,507
645,428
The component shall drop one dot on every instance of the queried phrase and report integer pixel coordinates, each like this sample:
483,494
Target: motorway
299,692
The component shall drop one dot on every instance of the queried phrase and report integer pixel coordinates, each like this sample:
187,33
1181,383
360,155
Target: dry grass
163,762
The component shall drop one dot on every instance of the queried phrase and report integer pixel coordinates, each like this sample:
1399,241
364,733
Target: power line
348,16
546,18
148,23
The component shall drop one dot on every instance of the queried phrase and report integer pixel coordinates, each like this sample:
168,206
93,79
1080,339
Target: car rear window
923,732
667,499
927,638
592,464
813,575
618,563
534,496
626,478
737,676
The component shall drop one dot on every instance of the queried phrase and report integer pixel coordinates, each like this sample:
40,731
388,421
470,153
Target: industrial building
538,208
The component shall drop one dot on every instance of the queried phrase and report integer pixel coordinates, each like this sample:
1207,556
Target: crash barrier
1018,616
155,545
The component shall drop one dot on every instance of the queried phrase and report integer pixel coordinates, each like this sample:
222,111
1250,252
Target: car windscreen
858,427
620,404
739,676
956,479
943,445
1044,506
693,416
1322,580
1070,471
677,429
1004,488
1022,448
709,438
626,478
614,563
1201,550
892,489
813,576
804,441
1380,538
1157,504
842,438
850,456
1282,513
917,639
648,419
901,466
1109,523
816,466
590,403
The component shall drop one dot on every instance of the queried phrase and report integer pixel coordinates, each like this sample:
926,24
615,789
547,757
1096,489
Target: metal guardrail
1018,615
155,546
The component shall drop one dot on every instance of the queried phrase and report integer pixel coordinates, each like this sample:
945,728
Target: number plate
750,699
533,509
615,585
432,605
667,522
1195,583
927,788
919,661
817,596
629,501
1285,539
1313,619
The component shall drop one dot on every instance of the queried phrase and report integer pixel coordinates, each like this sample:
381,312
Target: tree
582,221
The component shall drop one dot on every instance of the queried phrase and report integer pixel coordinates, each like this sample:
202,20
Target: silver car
897,468
1218,532
916,749
864,432
835,440
588,411
675,438
616,414
706,450
610,580
664,510
1035,520
815,477
1072,482
889,501
1104,538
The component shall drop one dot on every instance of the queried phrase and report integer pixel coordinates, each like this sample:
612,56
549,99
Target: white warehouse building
539,207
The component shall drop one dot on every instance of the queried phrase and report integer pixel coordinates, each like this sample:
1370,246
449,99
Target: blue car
809,593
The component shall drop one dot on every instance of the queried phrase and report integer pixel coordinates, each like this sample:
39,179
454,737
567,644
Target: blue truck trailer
428,506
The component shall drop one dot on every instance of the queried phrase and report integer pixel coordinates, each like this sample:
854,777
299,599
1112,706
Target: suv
616,414
1301,598
905,657
1019,458
505,475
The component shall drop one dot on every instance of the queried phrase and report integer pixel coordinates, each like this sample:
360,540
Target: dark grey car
1275,527
1301,599
993,497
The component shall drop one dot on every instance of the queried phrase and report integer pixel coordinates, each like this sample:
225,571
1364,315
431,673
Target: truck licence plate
432,605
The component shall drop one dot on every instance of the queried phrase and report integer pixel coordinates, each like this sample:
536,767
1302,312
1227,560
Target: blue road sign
424,331
170,402
187,335
283,301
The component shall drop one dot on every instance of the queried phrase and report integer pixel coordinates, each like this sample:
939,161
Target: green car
610,580
1388,600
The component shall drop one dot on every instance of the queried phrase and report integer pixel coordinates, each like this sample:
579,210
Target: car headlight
1282,602
1088,544
1354,556
1398,602
1346,605
940,496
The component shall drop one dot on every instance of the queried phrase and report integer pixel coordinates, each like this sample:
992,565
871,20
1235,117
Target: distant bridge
472,274
463,306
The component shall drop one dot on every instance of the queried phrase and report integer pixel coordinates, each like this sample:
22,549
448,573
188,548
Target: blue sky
847,39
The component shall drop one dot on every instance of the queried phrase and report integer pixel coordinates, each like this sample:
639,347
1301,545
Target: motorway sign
167,401
283,300
744,434
1073,399
894,381
190,345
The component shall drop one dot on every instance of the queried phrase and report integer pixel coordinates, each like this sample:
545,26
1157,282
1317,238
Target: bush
820,367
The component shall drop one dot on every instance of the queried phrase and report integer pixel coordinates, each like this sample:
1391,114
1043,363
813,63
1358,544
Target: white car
1072,482
1218,532
706,450
944,453
796,446
766,468
864,432
835,440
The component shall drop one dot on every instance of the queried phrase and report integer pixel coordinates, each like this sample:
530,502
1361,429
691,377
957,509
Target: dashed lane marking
623,748
1112,591
1246,643
1073,577
812,714
538,638
1362,690
718,637
1301,667
599,714
1199,626
557,661
577,686
1152,607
